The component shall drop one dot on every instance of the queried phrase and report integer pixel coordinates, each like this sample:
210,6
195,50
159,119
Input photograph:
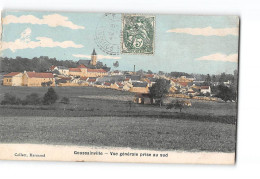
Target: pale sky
192,44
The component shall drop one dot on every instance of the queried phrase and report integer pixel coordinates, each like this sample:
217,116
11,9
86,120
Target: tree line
38,64
50,97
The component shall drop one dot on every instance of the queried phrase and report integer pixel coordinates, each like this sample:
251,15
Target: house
116,72
147,81
52,68
139,87
63,79
117,85
61,69
83,78
191,92
127,80
91,80
75,72
184,79
143,98
183,84
150,75
227,83
198,83
96,72
183,90
120,85
76,80
134,78
127,86
153,80
13,79
205,89
173,89
38,79
106,85
215,83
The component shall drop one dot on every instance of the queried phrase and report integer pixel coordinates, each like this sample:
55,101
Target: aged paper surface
110,87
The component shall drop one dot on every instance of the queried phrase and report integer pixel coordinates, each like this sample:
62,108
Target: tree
140,72
10,99
32,99
50,97
226,93
56,72
159,90
176,105
99,64
208,80
222,78
161,73
235,81
116,64
179,74
207,94
150,72
65,100
38,64
214,78
46,83
130,104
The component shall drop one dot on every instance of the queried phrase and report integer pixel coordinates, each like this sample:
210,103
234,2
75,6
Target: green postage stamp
138,33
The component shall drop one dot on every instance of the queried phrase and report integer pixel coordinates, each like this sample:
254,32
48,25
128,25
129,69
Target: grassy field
104,117
141,133
89,101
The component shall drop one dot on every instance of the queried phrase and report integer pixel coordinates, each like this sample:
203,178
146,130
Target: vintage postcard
110,87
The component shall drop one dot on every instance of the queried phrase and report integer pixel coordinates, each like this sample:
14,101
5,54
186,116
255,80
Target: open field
140,133
90,101
104,117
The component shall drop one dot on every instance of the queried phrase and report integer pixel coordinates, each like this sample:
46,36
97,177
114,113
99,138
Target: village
87,74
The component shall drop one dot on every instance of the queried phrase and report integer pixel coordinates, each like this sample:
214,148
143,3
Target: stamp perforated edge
121,37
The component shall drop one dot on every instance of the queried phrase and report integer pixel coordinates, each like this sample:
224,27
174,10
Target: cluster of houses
88,74
84,76
188,86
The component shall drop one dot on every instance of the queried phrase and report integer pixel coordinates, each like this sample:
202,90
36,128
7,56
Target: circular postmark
107,35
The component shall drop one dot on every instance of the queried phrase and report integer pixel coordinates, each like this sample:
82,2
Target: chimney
134,68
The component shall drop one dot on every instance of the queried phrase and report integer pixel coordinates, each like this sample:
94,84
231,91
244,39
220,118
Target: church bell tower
94,58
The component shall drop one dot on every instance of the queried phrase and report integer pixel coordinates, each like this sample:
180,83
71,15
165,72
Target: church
92,62
89,68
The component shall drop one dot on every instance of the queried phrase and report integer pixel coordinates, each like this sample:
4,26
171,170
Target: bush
50,97
176,105
226,93
46,83
32,99
207,94
65,100
10,99
201,94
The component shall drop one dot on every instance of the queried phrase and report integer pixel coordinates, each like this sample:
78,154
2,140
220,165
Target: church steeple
94,58
94,52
